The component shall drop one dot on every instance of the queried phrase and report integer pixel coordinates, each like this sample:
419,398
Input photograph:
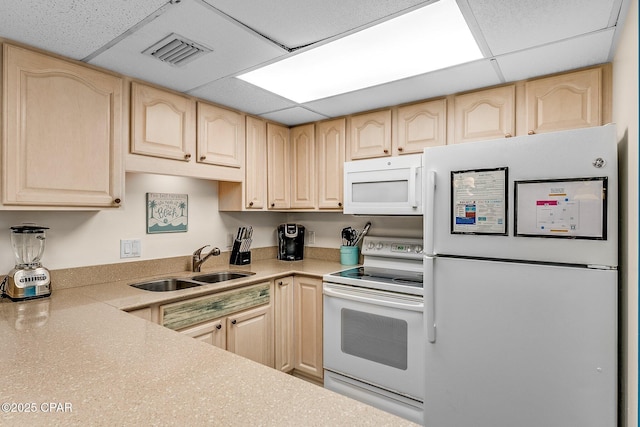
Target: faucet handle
198,251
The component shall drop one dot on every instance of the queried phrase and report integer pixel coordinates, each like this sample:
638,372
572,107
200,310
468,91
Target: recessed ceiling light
427,39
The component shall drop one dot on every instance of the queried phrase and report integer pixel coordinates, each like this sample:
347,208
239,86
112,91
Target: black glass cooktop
383,275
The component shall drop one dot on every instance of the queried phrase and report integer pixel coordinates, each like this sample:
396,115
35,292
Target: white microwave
385,186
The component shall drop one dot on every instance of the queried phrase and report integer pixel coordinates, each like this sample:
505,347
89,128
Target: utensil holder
348,255
240,254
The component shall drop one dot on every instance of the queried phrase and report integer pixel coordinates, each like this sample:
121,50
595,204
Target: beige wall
625,114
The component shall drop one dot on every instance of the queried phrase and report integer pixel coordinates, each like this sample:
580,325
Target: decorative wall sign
167,213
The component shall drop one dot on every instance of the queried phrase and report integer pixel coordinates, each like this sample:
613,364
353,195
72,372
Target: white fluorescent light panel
427,39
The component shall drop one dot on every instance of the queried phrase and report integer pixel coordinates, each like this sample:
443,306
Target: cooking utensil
363,233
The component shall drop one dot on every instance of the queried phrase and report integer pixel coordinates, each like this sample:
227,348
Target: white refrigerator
520,276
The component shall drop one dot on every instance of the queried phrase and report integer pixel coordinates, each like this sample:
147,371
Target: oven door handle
359,297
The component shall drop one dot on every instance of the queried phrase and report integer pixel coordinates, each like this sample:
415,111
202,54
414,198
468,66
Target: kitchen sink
221,276
175,284
165,285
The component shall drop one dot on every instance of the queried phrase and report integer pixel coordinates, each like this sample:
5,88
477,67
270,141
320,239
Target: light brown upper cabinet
220,136
278,167
163,123
369,135
63,130
330,149
418,126
484,114
566,101
303,157
256,176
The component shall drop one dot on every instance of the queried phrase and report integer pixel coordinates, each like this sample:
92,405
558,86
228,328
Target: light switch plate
130,248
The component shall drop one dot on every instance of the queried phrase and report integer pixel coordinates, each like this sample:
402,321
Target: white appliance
374,329
385,186
520,275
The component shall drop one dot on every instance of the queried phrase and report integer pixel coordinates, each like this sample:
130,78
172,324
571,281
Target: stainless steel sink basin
165,285
221,276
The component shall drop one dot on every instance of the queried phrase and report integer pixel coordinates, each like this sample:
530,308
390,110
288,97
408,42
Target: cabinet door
63,132
420,126
303,184
213,333
250,334
162,123
370,135
220,136
278,167
283,308
256,168
308,325
563,102
330,143
485,114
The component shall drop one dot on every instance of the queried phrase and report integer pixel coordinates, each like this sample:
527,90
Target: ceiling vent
176,50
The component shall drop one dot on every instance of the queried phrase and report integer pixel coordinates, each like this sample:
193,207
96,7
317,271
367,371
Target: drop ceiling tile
294,116
509,26
575,53
234,48
300,22
238,94
430,85
71,28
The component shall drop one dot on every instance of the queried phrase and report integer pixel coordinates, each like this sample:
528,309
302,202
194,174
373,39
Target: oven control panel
392,247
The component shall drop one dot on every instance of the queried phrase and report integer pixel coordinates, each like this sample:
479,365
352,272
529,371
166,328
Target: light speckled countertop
77,359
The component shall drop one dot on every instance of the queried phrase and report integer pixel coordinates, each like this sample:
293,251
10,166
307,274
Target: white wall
625,114
91,238
78,239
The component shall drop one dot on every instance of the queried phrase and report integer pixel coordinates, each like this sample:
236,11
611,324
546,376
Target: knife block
238,256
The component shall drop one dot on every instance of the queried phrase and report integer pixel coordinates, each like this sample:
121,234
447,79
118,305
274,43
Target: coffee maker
28,279
290,242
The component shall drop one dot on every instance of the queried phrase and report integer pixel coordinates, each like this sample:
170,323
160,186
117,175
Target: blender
28,279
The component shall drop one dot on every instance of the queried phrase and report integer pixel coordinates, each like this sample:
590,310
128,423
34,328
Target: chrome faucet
197,259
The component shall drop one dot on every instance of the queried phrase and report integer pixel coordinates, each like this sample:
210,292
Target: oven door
376,337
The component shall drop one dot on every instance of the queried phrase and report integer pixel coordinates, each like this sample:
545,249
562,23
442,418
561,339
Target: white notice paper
479,199
573,208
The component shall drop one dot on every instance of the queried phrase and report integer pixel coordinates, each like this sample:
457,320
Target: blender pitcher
27,241
28,279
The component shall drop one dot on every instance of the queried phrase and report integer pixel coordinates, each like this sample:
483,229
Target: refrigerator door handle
429,299
430,189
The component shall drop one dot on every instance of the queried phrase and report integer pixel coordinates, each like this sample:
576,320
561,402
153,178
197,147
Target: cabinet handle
187,156
117,200
530,132
250,203
234,321
385,151
339,204
203,158
218,326
280,283
508,135
399,149
273,205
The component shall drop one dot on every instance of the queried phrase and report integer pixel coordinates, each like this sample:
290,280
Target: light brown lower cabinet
239,320
298,326
307,295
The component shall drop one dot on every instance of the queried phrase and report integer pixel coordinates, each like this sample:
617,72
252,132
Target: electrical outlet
311,237
130,248
230,238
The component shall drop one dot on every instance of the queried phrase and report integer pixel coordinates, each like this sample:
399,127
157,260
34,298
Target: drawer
182,314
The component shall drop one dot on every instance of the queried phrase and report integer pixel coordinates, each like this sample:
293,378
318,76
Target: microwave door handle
413,171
